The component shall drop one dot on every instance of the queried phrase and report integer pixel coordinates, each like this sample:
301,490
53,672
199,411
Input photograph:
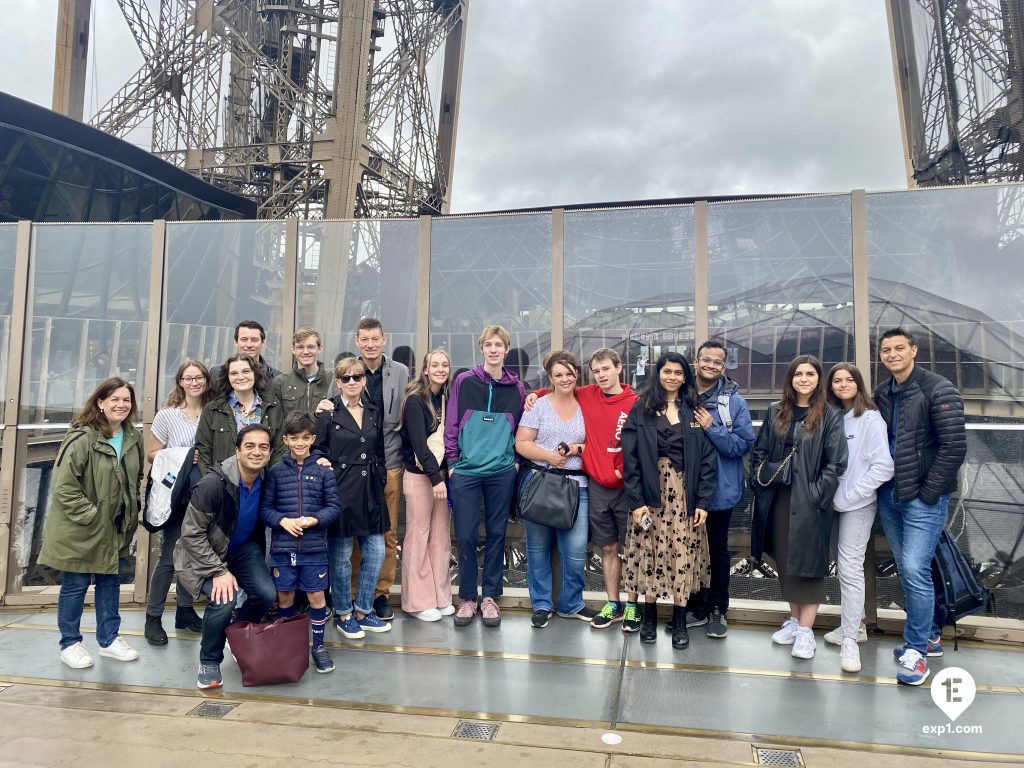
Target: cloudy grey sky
569,101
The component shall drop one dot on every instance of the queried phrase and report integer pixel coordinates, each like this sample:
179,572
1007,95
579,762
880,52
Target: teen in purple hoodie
479,444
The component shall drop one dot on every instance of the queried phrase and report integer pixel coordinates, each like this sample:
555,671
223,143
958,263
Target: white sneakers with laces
849,655
787,634
835,637
76,657
119,650
803,643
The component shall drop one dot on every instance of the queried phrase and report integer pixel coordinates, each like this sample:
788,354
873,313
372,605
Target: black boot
154,632
680,637
187,618
649,624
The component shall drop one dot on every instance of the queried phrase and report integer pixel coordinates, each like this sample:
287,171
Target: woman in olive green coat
244,398
93,516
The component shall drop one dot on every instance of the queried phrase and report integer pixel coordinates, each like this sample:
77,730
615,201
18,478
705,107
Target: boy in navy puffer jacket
300,500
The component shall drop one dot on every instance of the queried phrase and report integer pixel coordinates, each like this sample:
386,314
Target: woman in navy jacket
670,470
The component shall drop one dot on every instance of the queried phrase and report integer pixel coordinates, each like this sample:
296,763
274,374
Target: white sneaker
431,614
849,656
76,657
448,610
835,637
803,644
787,634
119,650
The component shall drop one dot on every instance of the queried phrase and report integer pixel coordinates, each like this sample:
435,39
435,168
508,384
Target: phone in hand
563,448
645,522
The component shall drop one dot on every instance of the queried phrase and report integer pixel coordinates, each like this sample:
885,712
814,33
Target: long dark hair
862,402
817,405
259,378
92,416
421,386
653,399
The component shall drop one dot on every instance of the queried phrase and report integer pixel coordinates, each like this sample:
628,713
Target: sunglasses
356,377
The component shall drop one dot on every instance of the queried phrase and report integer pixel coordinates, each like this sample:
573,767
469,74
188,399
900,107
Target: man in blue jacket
725,417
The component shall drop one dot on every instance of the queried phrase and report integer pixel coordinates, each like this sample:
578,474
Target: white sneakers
803,643
76,657
431,614
849,656
448,610
835,637
119,650
786,635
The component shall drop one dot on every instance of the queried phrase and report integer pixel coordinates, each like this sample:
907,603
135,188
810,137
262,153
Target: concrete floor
396,699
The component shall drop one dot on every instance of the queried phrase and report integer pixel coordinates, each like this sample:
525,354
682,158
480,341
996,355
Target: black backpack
957,591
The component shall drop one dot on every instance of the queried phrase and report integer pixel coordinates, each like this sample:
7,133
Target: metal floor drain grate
771,756
211,709
468,729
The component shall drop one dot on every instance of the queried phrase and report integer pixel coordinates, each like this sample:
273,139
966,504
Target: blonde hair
495,330
304,333
348,365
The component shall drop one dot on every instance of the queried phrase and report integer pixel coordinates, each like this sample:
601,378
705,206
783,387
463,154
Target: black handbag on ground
550,497
775,473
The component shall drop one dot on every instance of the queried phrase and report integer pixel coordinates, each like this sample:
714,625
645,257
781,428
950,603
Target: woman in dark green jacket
245,399
93,516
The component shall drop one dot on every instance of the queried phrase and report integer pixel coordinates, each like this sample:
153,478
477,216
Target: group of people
322,460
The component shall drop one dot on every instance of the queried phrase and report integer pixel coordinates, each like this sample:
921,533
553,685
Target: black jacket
357,457
931,440
640,461
417,425
819,461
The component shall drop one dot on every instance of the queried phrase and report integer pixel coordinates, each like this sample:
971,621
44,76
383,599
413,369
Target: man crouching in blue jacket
725,417
300,501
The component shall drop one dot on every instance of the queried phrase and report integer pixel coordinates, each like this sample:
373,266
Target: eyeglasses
306,348
192,379
356,377
711,361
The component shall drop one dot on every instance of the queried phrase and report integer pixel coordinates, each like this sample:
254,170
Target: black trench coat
357,457
819,461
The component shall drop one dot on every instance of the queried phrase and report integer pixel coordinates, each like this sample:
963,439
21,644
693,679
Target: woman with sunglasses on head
351,438
795,464
174,426
93,516
426,550
856,501
670,470
245,399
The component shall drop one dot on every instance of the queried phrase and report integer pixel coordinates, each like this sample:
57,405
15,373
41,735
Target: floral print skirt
670,561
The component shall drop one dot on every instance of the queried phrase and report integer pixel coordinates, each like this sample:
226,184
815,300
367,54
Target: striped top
174,429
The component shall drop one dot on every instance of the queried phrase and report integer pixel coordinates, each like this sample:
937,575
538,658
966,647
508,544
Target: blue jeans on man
71,604
339,550
249,567
913,529
572,552
495,493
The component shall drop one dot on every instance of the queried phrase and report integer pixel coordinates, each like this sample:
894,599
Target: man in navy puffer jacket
300,500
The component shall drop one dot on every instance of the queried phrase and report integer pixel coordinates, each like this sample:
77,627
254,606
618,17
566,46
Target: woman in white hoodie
869,465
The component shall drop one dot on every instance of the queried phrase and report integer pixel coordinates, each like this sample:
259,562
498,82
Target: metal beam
700,273
423,289
558,278
71,58
448,118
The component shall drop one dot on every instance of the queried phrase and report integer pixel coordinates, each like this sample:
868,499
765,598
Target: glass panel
629,283
216,276
986,519
492,270
780,285
946,265
87,314
8,250
349,270
34,459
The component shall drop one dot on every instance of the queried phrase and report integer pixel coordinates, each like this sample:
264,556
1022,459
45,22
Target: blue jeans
339,552
467,494
572,552
71,603
248,565
913,529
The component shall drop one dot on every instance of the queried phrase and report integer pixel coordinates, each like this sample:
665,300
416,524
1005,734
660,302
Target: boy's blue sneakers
913,668
934,649
349,627
322,660
370,623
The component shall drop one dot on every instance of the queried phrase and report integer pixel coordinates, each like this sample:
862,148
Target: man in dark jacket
927,439
221,546
307,383
732,438
251,340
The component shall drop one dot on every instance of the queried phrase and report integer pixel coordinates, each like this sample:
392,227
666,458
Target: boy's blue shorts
309,577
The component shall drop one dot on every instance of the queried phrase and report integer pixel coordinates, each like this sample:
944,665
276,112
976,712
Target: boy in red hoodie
605,406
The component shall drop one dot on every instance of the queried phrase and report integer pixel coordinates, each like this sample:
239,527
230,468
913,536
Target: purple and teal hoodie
481,421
